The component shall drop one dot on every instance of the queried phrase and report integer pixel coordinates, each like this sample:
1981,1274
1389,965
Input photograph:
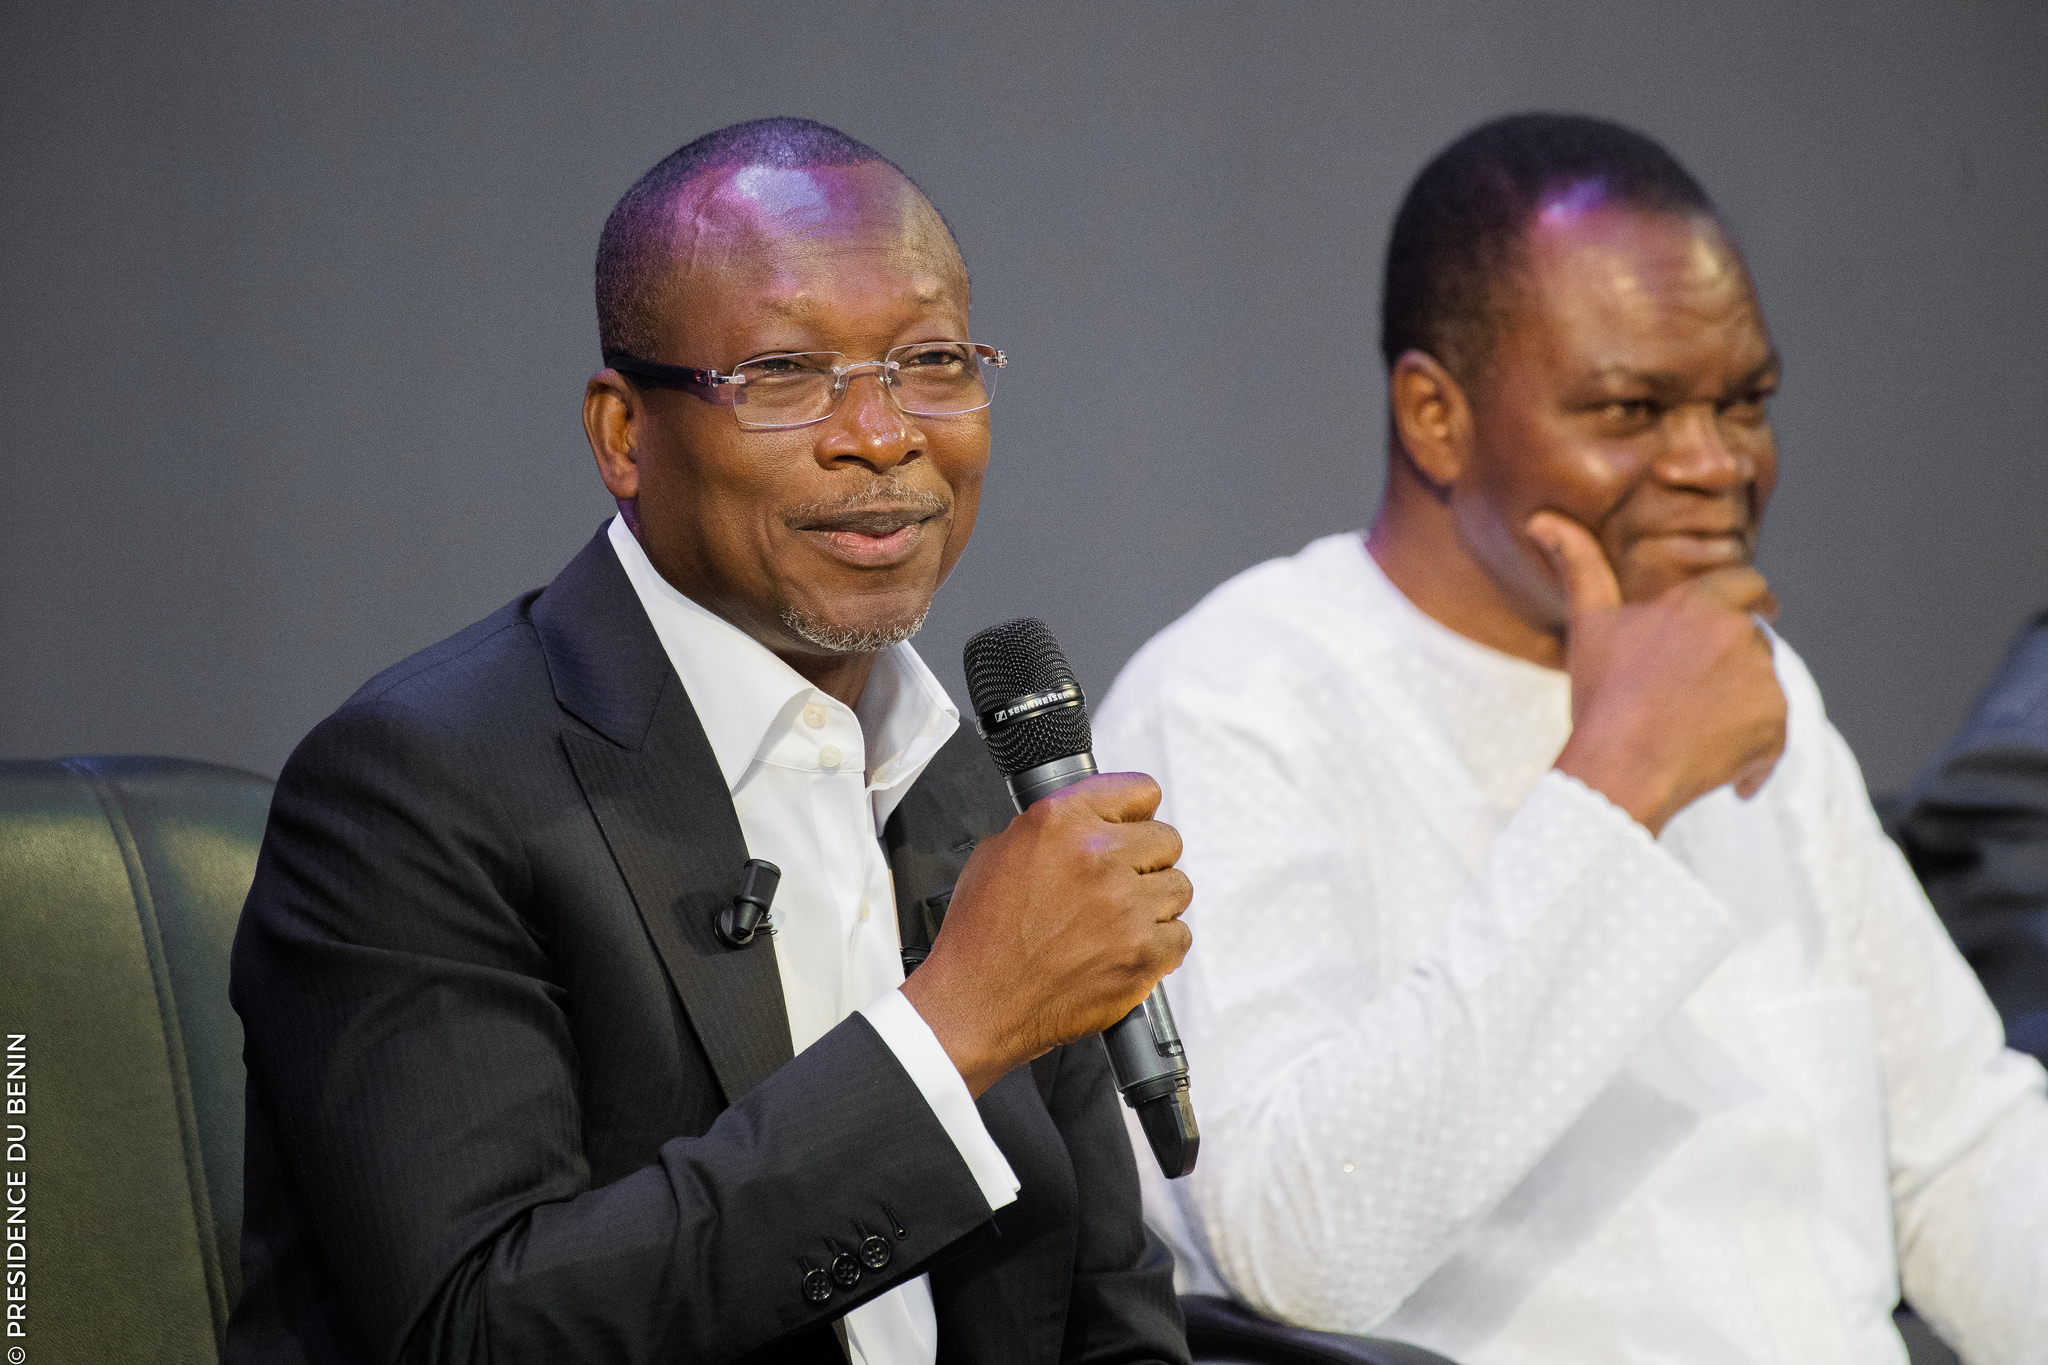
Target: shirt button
814,716
863,912
829,756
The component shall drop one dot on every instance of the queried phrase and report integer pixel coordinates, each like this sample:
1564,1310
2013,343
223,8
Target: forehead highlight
1633,256
1630,278
1569,203
775,230
752,212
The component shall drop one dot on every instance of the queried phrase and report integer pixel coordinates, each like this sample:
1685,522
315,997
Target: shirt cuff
907,1035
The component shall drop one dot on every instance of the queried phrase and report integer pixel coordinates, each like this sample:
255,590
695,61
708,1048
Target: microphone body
1030,710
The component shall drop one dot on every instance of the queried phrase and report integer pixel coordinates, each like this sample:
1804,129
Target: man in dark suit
1975,826
511,1098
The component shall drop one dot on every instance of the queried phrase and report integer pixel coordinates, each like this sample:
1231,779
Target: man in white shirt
518,1090
1558,998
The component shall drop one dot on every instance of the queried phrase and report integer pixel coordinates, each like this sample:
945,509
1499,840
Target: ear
1432,417
612,410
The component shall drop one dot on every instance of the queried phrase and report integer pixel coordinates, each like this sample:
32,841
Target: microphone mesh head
1019,659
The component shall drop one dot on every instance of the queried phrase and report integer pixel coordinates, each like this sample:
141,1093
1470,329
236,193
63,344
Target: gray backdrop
297,309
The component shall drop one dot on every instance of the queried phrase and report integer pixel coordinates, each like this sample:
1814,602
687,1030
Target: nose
1699,454
869,427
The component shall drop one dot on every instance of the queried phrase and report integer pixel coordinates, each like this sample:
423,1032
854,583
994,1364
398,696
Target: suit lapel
655,789
955,802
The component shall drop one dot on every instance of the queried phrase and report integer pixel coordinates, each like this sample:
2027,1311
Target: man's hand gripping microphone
1030,710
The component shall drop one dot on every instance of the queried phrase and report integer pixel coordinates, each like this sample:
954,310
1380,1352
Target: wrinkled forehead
779,229
1587,254
1610,285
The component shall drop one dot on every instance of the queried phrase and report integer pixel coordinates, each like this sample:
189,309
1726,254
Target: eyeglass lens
928,379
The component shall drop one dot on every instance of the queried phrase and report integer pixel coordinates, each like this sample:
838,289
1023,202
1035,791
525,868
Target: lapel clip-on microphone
1031,711
739,922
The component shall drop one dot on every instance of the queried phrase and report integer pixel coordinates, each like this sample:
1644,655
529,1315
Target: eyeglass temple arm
706,384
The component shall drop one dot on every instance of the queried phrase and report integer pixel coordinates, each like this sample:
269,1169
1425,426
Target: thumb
1580,563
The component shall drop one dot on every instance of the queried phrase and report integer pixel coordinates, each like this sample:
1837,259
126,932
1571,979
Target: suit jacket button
875,1253
846,1270
817,1286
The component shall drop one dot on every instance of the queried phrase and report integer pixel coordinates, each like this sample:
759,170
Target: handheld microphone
1031,711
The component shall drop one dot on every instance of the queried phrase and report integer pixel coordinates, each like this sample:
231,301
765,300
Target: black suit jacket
1975,826
510,1100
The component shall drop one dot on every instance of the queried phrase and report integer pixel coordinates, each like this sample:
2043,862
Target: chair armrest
1220,1331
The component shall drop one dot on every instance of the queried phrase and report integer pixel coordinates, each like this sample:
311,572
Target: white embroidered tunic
1481,1065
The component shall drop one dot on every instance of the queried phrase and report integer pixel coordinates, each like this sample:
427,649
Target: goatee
844,640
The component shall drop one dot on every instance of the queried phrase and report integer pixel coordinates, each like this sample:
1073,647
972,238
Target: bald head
726,196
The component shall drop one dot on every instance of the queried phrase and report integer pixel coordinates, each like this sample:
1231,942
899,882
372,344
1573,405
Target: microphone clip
738,923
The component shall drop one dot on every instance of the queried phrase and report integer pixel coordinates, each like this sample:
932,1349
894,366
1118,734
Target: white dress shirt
813,783
1482,1065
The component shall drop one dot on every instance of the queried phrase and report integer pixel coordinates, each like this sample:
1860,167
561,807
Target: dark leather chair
121,880
1227,1333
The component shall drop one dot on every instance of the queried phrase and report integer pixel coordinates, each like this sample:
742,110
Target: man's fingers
1163,950
1580,563
1174,893
1743,589
1120,798
1149,846
1176,938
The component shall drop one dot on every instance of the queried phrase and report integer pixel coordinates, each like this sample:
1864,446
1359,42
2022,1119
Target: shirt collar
743,694
907,717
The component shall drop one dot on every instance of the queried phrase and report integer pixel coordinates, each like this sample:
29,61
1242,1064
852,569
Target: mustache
886,498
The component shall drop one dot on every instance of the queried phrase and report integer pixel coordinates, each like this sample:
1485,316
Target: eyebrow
1664,382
